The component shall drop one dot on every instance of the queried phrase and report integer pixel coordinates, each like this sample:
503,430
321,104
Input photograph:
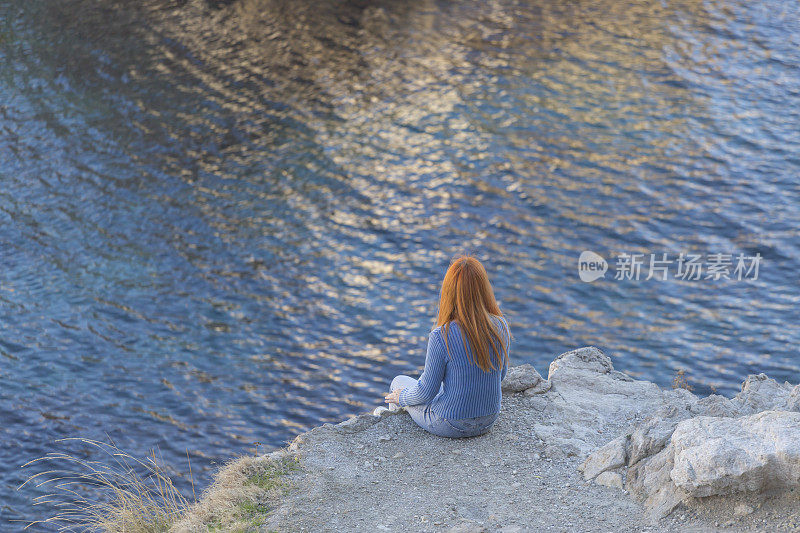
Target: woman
458,393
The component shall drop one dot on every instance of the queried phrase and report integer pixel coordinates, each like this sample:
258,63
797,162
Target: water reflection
227,225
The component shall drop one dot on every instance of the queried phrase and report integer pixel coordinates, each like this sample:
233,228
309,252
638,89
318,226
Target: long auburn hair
468,299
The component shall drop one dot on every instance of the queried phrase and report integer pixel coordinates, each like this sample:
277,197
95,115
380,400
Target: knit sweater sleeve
428,384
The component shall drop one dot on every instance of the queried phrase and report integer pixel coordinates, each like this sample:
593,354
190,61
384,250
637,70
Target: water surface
222,224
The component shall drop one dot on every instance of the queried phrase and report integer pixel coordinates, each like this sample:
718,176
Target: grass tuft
137,496
680,381
242,496
133,495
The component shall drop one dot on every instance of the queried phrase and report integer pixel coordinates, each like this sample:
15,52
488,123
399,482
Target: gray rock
649,482
540,388
651,436
385,411
680,398
762,393
675,455
591,391
609,479
587,358
716,405
538,403
715,455
612,455
520,378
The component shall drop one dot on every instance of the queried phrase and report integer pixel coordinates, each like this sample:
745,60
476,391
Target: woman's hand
393,397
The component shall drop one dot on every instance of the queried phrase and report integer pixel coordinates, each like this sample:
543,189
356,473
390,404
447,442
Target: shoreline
587,449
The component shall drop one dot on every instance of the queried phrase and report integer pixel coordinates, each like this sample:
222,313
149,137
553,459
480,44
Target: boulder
586,384
540,388
649,482
612,455
680,397
716,405
609,479
793,403
720,455
650,437
587,358
762,393
520,378
675,454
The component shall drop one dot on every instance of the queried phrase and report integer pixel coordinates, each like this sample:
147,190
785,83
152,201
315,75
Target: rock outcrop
759,452
693,448
564,454
609,457
524,378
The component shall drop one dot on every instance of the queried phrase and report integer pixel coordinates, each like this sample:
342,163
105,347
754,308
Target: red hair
468,299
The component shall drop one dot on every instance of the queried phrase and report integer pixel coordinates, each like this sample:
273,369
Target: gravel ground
393,476
384,473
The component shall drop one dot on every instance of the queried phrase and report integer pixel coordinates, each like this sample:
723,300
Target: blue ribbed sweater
455,387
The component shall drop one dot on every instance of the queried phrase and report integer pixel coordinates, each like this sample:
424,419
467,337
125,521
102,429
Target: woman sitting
458,393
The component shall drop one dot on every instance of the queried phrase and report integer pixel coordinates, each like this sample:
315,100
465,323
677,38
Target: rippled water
223,223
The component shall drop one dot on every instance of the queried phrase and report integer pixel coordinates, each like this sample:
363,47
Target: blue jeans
430,421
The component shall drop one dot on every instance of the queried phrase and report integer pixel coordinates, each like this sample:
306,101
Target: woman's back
459,393
467,390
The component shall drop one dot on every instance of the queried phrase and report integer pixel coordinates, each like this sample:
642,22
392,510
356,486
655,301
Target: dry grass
680,381
243,493
135,496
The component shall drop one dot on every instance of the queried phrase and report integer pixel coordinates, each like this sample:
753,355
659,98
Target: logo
591,266
664,266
